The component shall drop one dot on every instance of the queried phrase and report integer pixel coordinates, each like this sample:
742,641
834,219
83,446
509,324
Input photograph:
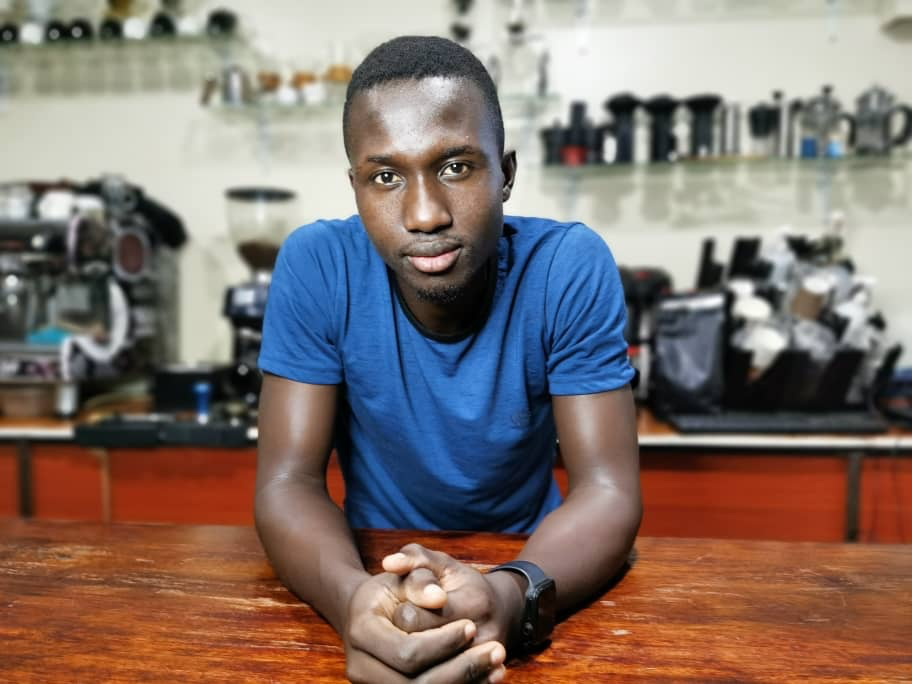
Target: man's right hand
378,651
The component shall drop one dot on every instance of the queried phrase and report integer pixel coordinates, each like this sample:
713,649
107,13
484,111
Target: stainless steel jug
875,110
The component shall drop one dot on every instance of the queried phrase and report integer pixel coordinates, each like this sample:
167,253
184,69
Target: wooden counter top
93,602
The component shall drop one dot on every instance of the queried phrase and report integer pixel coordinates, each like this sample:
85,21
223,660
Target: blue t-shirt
456,434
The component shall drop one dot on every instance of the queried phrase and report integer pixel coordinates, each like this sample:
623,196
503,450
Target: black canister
110,29
703,111
553,139
662,143
9,34
623,108
80,30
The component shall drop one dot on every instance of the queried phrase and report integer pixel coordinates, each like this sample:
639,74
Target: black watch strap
540,603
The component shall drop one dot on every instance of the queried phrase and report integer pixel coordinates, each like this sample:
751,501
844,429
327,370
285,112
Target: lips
433,257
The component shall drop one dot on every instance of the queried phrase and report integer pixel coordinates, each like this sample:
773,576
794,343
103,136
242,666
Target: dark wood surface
91,602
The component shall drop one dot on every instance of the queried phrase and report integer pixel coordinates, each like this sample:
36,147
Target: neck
457,317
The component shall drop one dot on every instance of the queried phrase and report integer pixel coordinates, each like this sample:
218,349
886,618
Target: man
441,347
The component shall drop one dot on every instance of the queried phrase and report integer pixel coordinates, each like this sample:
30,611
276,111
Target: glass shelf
274,111
735,192
95,67
696,167
513,107
621,12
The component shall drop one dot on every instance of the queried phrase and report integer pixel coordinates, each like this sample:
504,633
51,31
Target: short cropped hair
418,57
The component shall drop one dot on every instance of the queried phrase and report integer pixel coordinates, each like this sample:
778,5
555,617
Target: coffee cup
811,297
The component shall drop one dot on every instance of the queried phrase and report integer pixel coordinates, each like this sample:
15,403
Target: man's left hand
494,601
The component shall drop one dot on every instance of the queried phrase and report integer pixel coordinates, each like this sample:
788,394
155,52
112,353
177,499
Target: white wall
185,156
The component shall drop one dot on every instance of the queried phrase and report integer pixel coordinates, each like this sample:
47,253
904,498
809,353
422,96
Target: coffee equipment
762,120
623,107
233,87
703,110
643,287
730,130
785,121
259,218
874,113
663,145
820,126
88,290
553,139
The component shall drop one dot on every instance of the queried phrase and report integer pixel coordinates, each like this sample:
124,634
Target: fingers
421,588
414,556
411,654
483,663
411,618
360,668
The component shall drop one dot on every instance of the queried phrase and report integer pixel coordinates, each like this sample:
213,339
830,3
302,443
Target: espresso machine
259,218
87,290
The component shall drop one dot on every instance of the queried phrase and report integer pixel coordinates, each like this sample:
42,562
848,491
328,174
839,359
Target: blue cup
809,148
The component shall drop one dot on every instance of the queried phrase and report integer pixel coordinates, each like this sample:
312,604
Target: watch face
547,610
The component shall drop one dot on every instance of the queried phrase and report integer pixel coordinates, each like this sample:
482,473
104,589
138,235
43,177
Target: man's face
429,182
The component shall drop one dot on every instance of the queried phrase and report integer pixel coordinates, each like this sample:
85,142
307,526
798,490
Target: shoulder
553,235
561,248
325,237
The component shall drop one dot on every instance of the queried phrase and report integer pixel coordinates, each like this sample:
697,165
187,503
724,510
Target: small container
27,401
202,391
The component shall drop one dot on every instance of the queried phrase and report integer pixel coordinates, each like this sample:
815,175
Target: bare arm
585,541
305,535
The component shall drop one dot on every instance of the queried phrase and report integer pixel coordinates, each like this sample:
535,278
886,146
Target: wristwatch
541,603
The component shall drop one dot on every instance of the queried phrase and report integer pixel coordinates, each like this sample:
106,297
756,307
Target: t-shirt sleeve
585,309
299,329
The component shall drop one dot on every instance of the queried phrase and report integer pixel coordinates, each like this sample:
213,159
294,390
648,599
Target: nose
425,207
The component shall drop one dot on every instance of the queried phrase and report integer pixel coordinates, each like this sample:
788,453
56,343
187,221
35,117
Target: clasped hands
429,618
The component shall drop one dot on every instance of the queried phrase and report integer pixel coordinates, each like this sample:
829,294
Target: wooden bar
886,500
785,497
183,485
775,487
66,483
94,602
9,481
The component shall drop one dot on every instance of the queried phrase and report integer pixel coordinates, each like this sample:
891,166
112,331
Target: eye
386,178
455,169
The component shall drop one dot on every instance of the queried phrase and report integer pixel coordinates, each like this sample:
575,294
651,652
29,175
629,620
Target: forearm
585,541
310,545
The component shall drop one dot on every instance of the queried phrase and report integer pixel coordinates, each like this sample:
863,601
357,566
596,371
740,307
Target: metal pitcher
874,113
820,126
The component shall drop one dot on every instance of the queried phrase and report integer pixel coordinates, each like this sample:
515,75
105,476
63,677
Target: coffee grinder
259,218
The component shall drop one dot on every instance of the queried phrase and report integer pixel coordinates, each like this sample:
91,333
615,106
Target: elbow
635,519
627,516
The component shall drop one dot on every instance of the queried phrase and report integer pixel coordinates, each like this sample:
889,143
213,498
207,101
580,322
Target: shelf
67,49
513,107
273,111
94,67
732,193
731,165
620,12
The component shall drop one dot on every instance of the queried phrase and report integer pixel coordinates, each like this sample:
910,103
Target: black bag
689,353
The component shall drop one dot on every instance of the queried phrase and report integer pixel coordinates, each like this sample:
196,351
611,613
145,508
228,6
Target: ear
351,178
508,167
